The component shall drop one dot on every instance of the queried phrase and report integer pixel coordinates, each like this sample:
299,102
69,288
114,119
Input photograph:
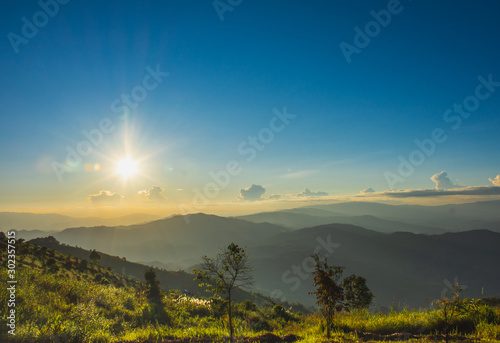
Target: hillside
60,297
169,280
68,299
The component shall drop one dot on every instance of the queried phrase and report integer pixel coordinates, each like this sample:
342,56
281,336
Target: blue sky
225,78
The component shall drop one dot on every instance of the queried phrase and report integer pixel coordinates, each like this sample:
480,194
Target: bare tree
228,270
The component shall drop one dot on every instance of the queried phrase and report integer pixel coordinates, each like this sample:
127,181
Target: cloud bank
444,187
476,190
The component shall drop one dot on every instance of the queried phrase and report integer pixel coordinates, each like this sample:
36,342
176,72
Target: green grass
71,302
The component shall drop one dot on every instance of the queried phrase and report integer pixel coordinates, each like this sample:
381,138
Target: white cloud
252,193
275,196
307,193
368,190
105,198
495,181
443,181
155,193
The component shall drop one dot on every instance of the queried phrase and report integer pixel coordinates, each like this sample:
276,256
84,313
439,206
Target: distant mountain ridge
411,268
451,217
52,222
412,218
300,220
170,239
390,218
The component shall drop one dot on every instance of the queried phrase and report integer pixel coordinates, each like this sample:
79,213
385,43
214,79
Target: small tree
51,263
154,296
82,265
153,292
95,257
450,307
329,292
356,293
228,270
247,305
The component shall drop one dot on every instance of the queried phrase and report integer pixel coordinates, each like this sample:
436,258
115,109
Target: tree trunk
328,324
230,314
446,325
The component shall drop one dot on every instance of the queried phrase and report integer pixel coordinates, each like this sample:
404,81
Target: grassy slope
70,302
169,280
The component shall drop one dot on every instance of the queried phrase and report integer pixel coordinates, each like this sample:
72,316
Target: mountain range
409,254
51,222
390,218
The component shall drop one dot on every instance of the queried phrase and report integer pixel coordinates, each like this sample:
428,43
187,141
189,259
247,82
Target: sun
126,167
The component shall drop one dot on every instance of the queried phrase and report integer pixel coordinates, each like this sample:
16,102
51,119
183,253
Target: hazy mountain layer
411,268
52,222
300,220
171,240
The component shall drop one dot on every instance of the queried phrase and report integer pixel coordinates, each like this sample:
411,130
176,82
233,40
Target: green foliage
228,270
153,291
451,307
94,256
83,265
155,312
334,295
248,305
281,313
329,292
356,293
70,305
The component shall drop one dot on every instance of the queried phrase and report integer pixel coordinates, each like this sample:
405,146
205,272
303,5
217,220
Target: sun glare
126,168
